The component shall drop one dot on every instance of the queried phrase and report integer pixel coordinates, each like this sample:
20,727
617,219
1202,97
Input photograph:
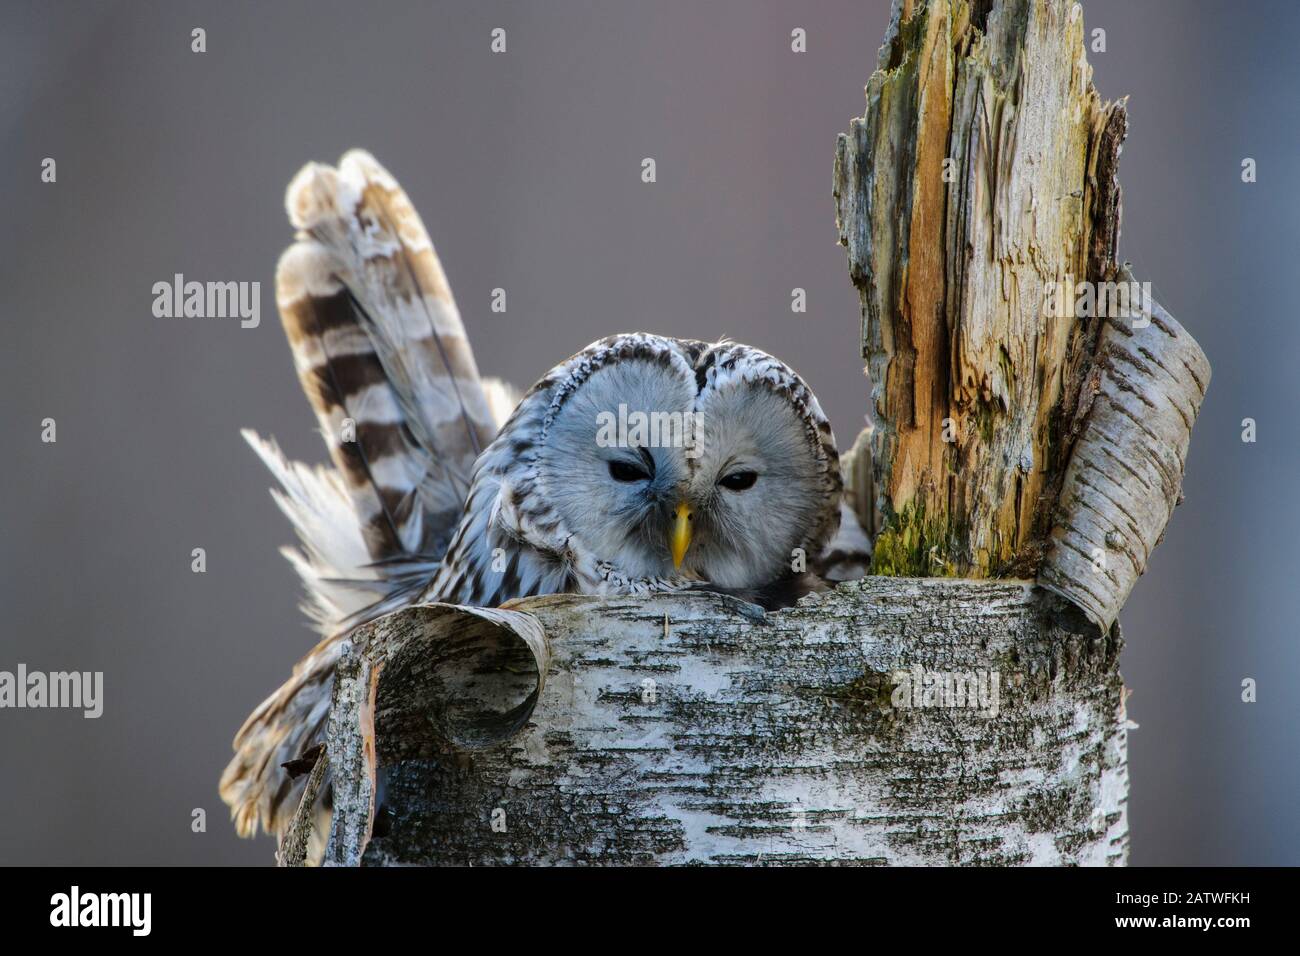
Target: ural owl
642,463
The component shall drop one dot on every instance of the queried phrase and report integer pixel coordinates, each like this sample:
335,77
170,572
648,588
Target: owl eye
626,471
739,480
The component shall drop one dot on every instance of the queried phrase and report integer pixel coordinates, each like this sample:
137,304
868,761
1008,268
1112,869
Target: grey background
525,167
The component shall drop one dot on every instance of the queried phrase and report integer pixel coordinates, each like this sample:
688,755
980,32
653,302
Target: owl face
675,458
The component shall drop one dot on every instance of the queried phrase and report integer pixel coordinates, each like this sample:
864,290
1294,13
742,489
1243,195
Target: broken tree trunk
981,175
907,717
979,204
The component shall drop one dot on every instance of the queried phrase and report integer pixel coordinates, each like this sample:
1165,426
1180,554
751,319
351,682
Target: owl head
650,459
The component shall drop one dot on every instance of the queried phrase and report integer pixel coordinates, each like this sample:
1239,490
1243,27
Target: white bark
1126,473
763,738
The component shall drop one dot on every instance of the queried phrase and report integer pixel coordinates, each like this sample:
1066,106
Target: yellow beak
681,534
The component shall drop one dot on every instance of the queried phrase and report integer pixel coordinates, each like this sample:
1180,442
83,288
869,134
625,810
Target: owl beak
681,539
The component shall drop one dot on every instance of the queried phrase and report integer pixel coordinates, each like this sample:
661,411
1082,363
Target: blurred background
526,169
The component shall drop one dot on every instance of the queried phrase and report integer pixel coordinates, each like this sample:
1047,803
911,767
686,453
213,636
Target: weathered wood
695,728
981,172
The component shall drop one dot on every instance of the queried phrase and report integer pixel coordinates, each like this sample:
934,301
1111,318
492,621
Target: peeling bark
1125,476
763,739
298,839
471,688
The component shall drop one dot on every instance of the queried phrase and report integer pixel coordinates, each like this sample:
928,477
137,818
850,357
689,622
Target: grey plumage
543,495
412,511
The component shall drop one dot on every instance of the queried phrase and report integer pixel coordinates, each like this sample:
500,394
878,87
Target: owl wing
383,357
495,555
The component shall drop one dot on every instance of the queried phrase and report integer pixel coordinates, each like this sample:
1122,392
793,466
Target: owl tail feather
383,357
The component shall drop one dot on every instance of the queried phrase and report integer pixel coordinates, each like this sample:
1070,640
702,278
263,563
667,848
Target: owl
641,464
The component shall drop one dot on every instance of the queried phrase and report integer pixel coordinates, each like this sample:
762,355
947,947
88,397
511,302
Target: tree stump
962,705
693,728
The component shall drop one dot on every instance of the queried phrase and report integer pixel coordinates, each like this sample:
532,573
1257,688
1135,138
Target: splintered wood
980,179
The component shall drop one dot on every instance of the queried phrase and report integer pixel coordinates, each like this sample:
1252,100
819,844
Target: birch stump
693,728
961,705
